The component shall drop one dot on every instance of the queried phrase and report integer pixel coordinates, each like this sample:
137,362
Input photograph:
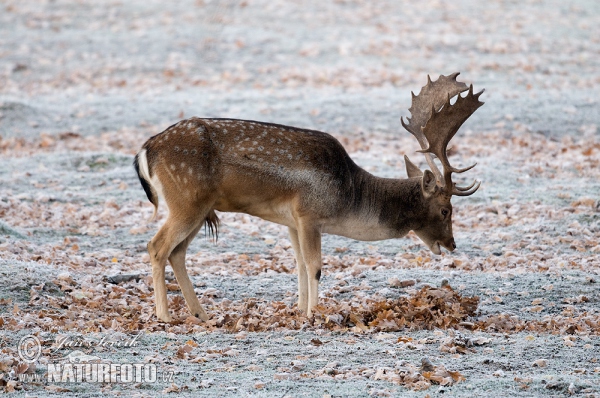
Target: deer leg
302,275
309,238
170,235
177,260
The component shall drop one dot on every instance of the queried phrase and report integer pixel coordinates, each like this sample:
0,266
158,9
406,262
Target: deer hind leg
309,238
177,260
172,233
302,275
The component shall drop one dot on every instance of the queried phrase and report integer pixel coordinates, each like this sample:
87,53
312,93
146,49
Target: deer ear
428,183
411,169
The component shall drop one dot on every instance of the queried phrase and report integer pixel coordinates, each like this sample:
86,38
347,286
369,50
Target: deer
302,179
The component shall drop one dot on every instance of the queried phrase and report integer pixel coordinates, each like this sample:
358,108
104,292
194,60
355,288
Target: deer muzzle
436,247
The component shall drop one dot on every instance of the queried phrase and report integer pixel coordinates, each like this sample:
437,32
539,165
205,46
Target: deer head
433,122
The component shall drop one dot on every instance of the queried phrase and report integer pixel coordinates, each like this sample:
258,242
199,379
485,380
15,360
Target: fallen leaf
282,376
55,389
172,388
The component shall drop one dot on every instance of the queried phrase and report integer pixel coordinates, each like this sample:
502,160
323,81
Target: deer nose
453,244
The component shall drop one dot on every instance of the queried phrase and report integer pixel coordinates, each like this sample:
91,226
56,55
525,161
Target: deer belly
364,230
274,210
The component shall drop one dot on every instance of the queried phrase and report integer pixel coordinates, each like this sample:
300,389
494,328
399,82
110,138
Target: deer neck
380,208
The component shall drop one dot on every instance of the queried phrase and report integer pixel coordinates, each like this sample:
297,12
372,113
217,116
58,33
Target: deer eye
445,212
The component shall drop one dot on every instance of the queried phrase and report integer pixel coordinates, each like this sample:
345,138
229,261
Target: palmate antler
434,121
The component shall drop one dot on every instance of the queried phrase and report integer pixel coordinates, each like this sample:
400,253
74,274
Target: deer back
248,164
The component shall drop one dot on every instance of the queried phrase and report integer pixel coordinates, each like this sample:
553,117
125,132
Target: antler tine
458,192
463,189
455,170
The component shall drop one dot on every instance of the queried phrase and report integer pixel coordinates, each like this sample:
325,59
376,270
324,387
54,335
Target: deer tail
140,163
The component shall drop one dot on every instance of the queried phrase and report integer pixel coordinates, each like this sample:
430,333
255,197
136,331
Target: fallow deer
303,179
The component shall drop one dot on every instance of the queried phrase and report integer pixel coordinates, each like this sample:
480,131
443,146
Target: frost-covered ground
83,84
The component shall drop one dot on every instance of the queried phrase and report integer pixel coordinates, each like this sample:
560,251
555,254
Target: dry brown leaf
183,351
358,322
282,376
172,388
56,389
191,343
11,386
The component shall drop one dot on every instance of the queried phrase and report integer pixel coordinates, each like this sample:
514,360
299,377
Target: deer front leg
309,237
177,260
302,275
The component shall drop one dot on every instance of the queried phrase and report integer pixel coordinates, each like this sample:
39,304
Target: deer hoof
202,315
165,317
